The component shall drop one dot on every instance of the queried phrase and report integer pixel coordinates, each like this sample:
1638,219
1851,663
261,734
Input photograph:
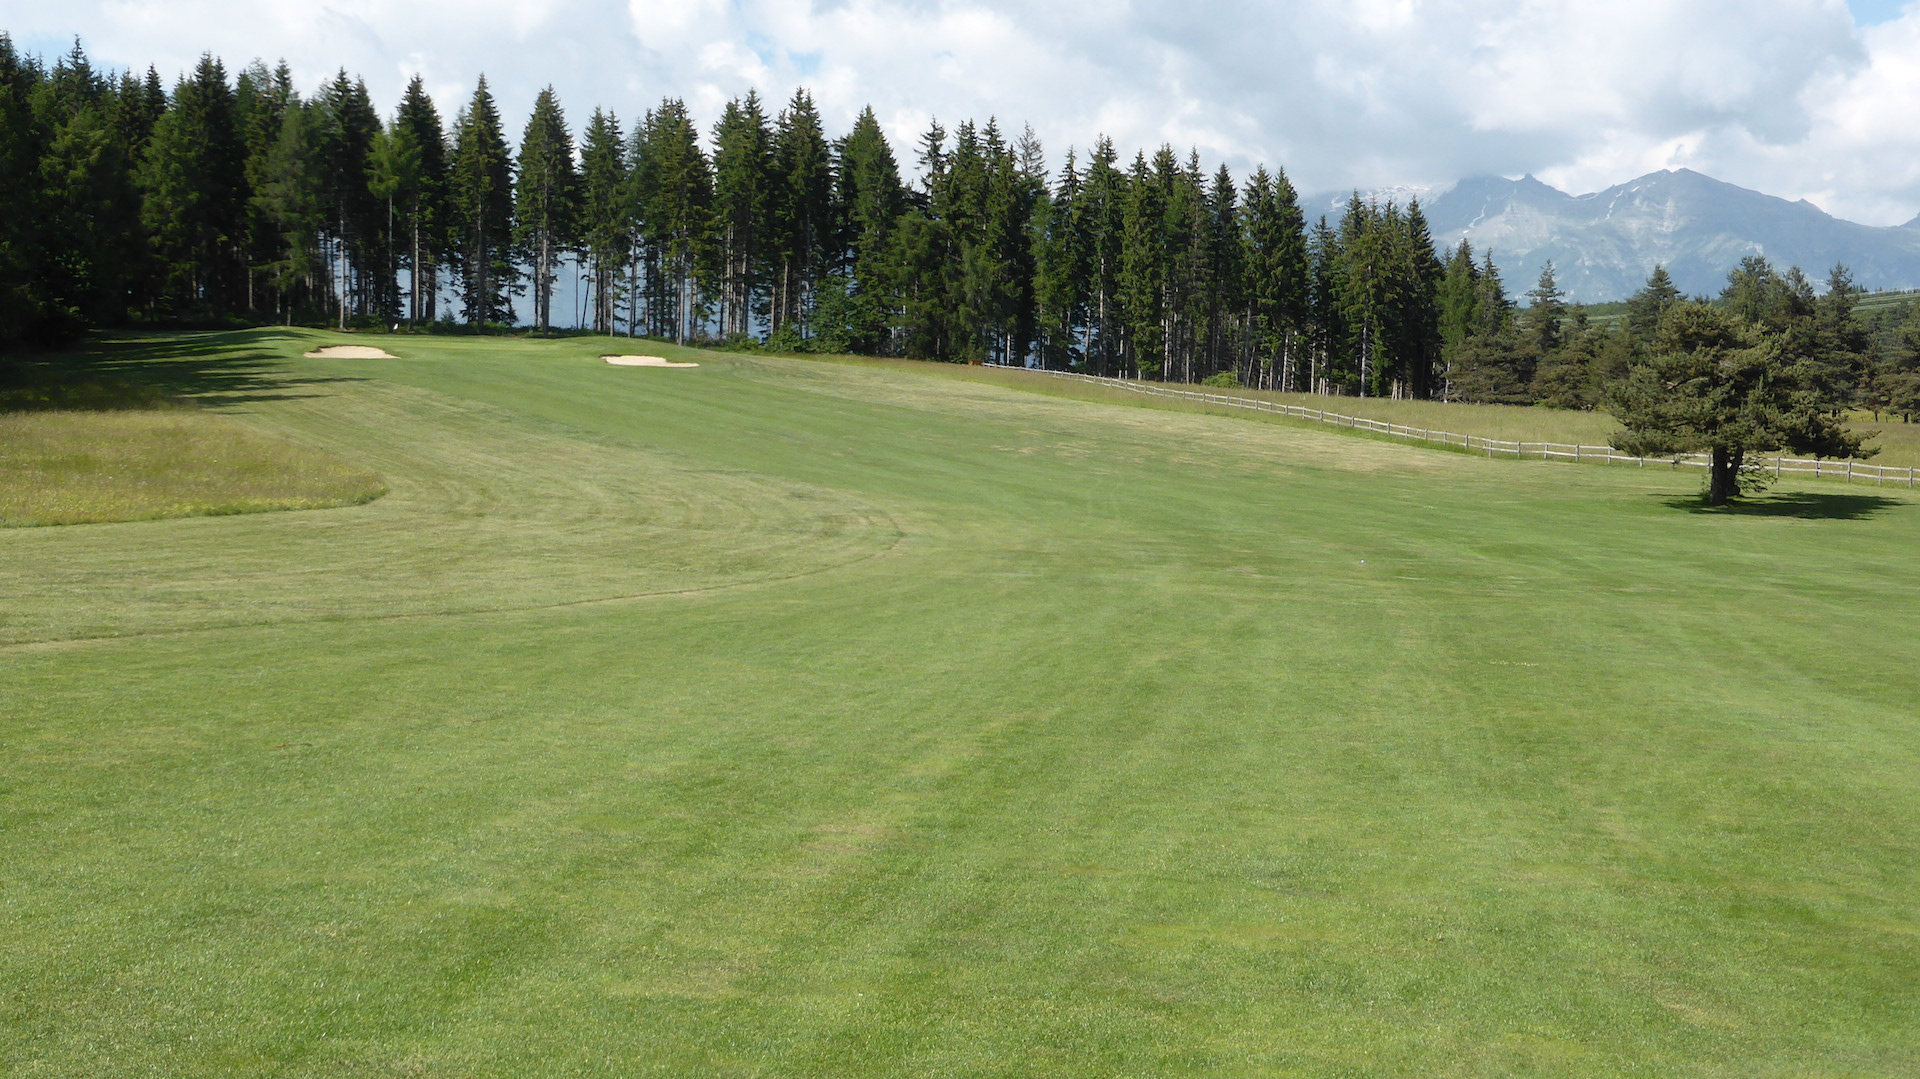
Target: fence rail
1851,471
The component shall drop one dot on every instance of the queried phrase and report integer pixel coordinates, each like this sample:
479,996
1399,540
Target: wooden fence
1851,471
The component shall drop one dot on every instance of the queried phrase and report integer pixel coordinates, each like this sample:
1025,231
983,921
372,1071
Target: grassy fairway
786,718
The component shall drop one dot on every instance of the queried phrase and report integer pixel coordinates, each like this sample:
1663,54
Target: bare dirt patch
350,352
644,361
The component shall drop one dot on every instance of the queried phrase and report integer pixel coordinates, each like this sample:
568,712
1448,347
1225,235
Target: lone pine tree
1715,384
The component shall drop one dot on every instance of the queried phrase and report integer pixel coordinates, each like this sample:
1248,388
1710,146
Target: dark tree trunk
1723,480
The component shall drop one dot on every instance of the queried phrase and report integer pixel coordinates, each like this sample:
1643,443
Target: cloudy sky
1800,98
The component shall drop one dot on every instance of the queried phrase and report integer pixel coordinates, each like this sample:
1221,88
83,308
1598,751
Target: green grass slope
787,718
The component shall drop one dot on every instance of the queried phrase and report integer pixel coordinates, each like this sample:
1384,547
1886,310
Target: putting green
783,718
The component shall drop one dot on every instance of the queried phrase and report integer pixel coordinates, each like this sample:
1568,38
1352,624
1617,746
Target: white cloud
1789,96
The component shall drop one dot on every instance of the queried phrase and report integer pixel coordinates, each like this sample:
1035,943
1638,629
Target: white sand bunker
644,361
350,352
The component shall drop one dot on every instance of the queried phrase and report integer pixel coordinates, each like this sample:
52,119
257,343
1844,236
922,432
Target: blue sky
1875,12
1799,98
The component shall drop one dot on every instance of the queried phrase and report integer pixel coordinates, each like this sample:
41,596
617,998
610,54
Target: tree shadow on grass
1805,505
213,369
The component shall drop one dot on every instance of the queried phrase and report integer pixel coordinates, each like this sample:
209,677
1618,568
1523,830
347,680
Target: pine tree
1101,217
1839,348
480,193
90,214
24,311
1327,329
676,181
1228,333
261,99
1419,319
1899,378
546,199
800,208
1646,307
1365,298
290,197
194,183
1142,278
428,215
343,127
742,163
71,87
1731,387
1061,270
1277,275
396,177
1490,365
605,218
1547,308
869,199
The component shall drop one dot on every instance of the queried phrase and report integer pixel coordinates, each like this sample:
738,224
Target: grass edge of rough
119,449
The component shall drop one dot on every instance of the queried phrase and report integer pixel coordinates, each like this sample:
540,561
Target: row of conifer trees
242,200
220,200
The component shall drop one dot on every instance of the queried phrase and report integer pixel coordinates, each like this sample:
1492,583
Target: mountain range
1603,245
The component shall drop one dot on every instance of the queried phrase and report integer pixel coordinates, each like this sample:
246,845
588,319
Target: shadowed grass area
788,718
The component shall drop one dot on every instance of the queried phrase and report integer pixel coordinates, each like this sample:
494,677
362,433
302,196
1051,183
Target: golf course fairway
780,717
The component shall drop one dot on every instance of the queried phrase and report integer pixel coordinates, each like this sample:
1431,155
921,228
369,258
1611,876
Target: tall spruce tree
194,183
291,198
742,160
24,311
1546,310
677,184
1142,278
90,214
261,98
869,199
480,194
546,199
1646,307
606,221
801,205
1060,270
1419,319
397,178
1101,215
427,213
343,129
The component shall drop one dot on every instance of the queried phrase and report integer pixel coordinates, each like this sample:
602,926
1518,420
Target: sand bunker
350,352
644,361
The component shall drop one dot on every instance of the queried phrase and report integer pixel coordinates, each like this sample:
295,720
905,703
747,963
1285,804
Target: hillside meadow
783,717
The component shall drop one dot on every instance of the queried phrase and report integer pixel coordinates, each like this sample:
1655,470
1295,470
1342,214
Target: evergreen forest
240,200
